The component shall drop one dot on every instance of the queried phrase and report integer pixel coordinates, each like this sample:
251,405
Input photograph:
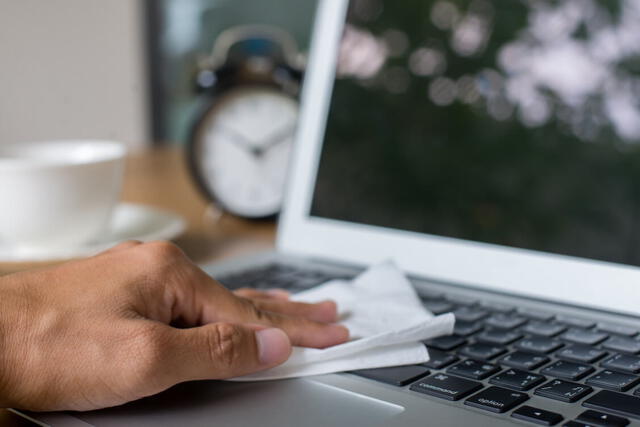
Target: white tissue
386,320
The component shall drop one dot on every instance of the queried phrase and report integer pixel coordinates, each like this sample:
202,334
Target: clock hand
276,139
240,139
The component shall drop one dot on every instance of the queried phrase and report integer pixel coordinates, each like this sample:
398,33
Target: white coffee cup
58,194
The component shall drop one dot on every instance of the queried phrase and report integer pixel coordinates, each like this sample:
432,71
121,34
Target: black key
524,360
438,306
622,344
498,336
470,314
446,386
612,328
617,403
602,419
496,399
428,294
563,391
445,343
536,314
466,329
474,369
567,370
537,416
439,359
396,375
505,321
482,351
576,322
612,380
539,344
622,362
583,336
496,306
517,379
576,424
581,353
543,329
461,300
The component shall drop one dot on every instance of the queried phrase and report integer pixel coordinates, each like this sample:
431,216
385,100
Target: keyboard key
537,416
517,379
466,329
539,344
496,306
445,343
612,328
461,300
446,386
496,399
581,353
524,360
474,369
583,336
576,322
536,314
396,375
543,329
438,306
612,380
482,351
439,359
637,392
498,336
470,314
622,344
617,403
567,370
429,294
622,362
602,419
504,321
563,391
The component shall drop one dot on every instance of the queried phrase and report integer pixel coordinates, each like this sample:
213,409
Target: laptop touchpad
265,404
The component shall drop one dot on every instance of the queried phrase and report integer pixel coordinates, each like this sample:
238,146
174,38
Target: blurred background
118,69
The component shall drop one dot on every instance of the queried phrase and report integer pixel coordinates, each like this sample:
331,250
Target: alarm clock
241,141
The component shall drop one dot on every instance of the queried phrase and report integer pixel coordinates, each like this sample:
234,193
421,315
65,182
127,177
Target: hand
136,320
278,138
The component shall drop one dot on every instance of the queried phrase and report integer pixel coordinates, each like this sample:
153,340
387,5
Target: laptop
491,149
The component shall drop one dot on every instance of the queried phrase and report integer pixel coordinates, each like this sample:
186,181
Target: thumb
224,350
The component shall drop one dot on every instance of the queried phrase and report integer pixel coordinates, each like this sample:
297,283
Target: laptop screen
516,125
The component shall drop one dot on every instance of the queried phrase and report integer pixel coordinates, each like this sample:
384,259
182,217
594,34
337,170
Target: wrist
9,313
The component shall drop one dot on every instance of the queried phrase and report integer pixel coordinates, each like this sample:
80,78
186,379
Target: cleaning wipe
386,320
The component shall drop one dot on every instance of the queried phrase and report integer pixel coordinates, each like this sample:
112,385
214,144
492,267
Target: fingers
222,350
301,331
266,294
325,311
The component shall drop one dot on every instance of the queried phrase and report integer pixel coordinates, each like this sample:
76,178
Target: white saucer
130,222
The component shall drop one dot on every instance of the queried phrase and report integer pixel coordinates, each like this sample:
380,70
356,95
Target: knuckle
225,342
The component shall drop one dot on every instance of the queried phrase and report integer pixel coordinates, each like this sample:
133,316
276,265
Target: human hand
136,320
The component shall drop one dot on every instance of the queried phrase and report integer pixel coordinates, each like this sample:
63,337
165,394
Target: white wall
72,69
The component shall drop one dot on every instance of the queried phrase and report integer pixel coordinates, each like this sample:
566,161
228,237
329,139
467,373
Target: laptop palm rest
241,404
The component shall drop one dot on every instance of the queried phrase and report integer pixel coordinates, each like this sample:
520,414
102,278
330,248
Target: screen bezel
566,279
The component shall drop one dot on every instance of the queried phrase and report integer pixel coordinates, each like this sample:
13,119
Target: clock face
243,149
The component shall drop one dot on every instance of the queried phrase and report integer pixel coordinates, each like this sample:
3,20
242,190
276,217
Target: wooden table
160,178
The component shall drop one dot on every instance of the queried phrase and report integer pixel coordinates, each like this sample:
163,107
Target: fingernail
274,346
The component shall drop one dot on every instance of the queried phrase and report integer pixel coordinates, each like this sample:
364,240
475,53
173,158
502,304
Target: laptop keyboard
499,356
